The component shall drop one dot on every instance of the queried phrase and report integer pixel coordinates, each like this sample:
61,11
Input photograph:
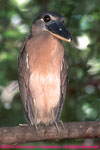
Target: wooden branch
22,134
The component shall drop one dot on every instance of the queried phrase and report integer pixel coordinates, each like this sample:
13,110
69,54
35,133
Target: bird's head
53,23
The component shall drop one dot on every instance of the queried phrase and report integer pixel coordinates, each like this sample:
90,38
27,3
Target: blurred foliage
83,54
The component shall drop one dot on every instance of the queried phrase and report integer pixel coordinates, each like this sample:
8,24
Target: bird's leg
35,120
53,117
60,121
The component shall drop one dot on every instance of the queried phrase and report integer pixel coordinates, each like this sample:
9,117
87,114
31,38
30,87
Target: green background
83,57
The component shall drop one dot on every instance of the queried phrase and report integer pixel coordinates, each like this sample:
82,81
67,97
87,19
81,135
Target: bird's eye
47,18
62,21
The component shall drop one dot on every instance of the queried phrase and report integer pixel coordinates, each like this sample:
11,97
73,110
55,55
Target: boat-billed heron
42,69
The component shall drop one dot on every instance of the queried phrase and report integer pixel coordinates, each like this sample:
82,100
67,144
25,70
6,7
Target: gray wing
23,78
63,88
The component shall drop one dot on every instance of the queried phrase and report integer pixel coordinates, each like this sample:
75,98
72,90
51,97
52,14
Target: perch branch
23,134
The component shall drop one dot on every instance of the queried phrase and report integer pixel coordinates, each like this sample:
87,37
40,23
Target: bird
42,69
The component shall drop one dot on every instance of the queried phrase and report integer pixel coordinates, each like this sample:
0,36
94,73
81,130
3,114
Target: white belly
46,93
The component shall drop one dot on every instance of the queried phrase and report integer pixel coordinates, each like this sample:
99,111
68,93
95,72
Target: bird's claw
36,127
60,121
23,125
56,124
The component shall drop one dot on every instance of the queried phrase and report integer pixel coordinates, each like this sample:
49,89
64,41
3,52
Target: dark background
83,57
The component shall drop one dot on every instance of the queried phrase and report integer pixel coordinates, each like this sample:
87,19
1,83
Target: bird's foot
23,125
36,127
55,123
62,124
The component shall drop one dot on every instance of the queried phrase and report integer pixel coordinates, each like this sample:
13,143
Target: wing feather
23,77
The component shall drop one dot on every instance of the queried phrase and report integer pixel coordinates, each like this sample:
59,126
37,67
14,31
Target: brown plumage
42,70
